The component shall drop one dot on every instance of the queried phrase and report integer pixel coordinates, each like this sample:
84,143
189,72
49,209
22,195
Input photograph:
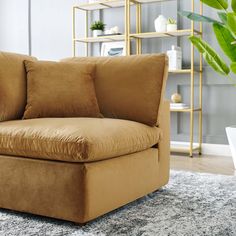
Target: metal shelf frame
138,36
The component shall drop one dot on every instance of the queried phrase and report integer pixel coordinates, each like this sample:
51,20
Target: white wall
51,22
51,27
14,26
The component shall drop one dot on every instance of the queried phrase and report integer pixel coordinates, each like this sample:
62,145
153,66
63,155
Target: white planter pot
96,33
231,134
171,27
160,24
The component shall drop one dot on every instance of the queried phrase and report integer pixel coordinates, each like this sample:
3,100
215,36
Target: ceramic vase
160,24
96,33
176,98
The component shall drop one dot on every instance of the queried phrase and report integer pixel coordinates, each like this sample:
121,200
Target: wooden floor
206,164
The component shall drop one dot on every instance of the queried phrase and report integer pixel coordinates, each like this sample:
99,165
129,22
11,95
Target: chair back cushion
130,87
12,85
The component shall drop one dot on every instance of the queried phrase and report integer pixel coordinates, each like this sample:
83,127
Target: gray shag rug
191,204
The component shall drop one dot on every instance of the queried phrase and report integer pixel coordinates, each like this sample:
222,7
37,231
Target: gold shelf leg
127,26
200,87
140,28
73,32
137,28
192,89
86,32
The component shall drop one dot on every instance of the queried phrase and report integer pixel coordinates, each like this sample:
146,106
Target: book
102,35
179,106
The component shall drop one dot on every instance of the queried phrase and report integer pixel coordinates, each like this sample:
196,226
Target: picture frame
113,49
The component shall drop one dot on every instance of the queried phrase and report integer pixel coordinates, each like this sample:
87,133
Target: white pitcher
160,24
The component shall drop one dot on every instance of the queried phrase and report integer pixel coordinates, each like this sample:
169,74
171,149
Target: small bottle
175,58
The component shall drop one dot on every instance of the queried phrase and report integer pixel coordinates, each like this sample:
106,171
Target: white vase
171,27
160,24
231,134
96,33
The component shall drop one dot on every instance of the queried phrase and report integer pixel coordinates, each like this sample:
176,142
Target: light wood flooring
206,164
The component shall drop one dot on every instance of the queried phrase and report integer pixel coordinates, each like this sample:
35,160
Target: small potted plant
97,27
171,25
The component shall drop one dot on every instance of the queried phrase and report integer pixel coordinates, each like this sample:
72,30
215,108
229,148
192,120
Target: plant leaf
233,5
223,17
210,55
218,4
225,39
196,17
233,67
231,21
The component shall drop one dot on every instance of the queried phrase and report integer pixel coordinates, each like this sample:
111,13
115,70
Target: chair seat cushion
75,139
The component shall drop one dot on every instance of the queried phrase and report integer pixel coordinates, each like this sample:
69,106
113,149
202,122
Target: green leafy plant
171,21
224,29
97,25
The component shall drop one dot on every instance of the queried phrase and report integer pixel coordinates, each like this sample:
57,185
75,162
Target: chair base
78,192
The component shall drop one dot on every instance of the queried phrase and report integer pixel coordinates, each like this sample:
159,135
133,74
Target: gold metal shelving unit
138,36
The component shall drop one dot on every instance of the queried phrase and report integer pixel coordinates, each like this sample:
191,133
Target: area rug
191,204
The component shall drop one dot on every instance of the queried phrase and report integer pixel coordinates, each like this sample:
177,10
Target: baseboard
212,149
216,149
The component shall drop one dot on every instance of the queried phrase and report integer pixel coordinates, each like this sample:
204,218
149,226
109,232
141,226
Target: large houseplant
225,31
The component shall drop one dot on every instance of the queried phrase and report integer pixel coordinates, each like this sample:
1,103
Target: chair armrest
164,144
164,116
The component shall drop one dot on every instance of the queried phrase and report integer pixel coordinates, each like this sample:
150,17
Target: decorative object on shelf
101,35
112,31
178,106
231,134
113,49
225,32
97,27
160,24
176,98
175,58
171,25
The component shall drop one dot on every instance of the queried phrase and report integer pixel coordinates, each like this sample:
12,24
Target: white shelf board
101,39
177,33
185,110
183,71
101,5
150,1
183,147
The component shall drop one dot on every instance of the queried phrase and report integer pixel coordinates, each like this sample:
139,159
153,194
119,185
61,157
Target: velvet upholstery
60,89
77,192
12,85
75,139
121,160
129,87
80,192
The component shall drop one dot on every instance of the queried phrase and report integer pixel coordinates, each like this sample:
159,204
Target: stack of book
178,106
